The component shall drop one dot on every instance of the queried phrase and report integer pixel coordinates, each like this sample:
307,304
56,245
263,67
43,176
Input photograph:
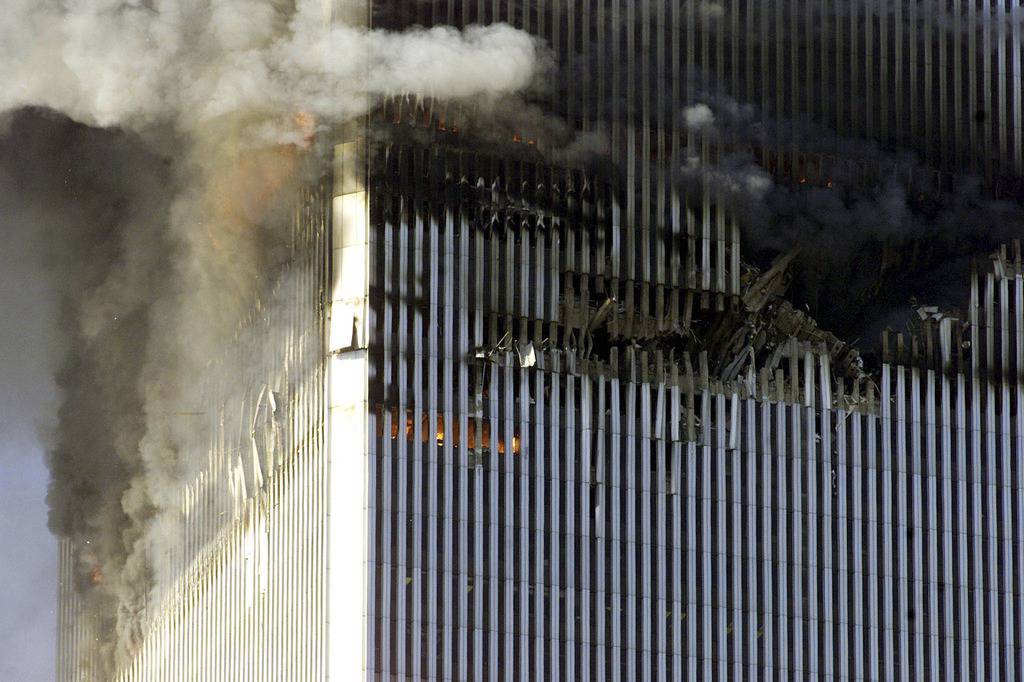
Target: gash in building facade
533,419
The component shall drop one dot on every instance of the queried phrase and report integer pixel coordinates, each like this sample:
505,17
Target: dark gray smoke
87,195
875,229
890,227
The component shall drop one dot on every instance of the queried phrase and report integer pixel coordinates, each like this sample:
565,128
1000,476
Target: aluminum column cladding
516,429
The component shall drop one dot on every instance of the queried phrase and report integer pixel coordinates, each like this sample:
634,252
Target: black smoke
90,195
878,230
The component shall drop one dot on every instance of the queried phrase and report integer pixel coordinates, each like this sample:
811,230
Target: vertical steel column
530,452
735,544
452,522
615,491
961,119
1017,89
541,445
949,546
347,413
768,542
602,610
753,512
1017,450
927,90
963,531
989,104
933,545
715,528
589,544
569,532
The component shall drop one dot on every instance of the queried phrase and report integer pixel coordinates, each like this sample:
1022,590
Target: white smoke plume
185,63
708,10
698,117
229,91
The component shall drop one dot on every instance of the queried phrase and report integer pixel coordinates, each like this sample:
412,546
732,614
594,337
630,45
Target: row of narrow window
404,422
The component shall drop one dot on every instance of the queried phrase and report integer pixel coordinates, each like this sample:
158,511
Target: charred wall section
942,78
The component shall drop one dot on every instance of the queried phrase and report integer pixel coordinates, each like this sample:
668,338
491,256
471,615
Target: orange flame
440,433
305,123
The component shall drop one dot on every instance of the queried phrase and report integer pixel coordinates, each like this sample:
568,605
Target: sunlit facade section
250,556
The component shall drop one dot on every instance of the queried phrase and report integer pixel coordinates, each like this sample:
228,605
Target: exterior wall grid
787,523
539,509
248,594
904,621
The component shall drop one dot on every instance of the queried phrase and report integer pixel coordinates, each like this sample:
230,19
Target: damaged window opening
440,433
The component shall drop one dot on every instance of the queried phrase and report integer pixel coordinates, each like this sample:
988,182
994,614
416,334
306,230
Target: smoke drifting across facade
499,396
228,97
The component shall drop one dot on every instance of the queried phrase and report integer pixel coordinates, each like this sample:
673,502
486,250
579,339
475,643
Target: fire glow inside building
528,419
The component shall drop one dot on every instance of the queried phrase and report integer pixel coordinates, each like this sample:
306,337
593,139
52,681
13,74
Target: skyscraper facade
517,416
